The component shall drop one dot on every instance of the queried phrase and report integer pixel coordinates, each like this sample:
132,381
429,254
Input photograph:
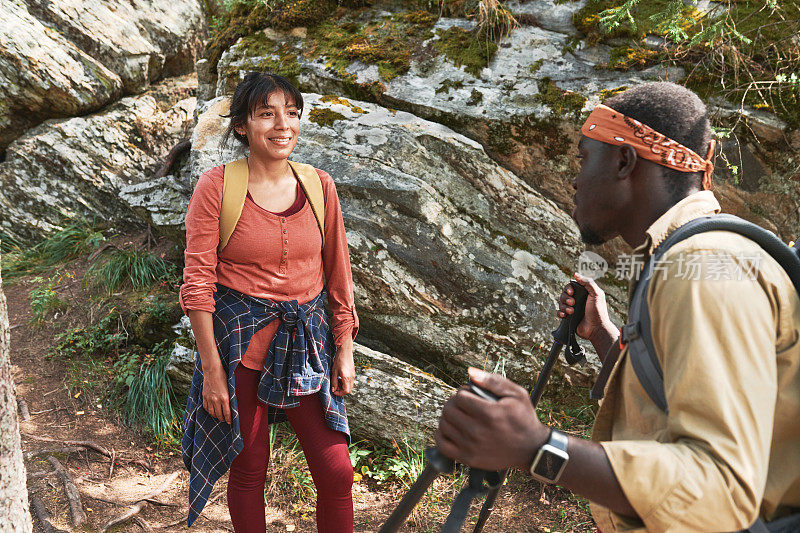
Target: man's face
595,209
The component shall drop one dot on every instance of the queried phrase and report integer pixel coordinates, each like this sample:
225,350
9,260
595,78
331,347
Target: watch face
549,465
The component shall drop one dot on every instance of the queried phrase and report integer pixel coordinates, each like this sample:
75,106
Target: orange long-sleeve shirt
268,256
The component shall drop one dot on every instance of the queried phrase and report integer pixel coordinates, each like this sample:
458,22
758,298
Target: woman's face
272,129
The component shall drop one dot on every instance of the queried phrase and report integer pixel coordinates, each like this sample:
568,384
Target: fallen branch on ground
124,517
65,451
141,462
85,443
35,413
143,524
102,249
42,515
73,496
137,507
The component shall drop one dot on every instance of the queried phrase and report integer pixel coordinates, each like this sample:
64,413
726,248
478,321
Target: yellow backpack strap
234,192
312,186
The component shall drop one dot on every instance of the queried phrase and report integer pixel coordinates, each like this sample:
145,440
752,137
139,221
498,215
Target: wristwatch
551,458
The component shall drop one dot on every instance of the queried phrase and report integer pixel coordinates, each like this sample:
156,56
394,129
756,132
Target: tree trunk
14,516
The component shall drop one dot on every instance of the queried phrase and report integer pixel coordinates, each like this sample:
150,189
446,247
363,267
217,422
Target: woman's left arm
339,283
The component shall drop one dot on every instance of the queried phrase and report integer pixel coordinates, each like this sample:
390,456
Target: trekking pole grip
570,322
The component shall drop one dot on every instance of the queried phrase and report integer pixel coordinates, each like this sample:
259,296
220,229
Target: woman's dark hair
252,92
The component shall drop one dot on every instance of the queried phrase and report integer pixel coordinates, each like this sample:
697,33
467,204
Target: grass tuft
77,238
150,401
132,267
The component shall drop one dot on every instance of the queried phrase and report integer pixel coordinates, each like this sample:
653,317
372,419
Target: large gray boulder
456,261
63,58
78,166
521,107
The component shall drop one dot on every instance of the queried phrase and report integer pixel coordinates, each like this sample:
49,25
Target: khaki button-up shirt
729,449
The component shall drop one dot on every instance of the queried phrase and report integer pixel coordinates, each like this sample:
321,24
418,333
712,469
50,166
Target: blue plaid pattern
298,363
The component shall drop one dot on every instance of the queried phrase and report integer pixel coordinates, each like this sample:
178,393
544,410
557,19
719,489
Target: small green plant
44,298
746,52
290,474
102,338
408,461
132,267
149,400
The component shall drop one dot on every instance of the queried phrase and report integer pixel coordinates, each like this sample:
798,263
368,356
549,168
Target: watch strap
558,439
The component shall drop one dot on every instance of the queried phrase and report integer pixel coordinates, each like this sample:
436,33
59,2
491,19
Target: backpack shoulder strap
637,333
234,192
312,186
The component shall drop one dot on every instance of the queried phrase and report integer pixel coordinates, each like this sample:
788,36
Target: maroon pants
326,453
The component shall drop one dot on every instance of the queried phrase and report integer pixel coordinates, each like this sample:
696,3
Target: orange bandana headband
609,126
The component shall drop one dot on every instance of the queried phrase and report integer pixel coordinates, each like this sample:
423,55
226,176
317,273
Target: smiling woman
256,301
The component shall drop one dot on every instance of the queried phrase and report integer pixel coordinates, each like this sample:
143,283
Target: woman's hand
215,393
343,373
215,382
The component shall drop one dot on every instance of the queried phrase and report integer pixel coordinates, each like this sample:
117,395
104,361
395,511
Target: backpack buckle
629,332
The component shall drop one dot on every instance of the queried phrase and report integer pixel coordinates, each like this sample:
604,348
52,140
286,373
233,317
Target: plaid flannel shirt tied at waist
298,363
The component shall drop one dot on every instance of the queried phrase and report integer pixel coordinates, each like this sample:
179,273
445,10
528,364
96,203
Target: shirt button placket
284,245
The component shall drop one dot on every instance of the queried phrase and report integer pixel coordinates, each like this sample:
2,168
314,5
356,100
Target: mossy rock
152,321
293,13
389,42
324,116
562,103
626,57
465,48
605,94
749,59
448,84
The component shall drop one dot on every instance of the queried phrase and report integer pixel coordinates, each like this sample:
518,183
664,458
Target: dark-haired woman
266,351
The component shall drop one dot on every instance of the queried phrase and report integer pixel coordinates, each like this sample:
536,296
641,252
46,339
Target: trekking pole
563,336
437,464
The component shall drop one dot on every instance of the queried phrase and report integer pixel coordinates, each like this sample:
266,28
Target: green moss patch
388,43
465,48
587,19
293,13
449,84
269,56
324,117
605,94
475,98
563,103
627,57
338,100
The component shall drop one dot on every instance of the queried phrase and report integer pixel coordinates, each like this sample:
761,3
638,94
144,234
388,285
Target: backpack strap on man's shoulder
637,333
234,192
311,183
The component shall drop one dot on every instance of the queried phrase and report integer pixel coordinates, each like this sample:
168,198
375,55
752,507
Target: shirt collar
695,205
